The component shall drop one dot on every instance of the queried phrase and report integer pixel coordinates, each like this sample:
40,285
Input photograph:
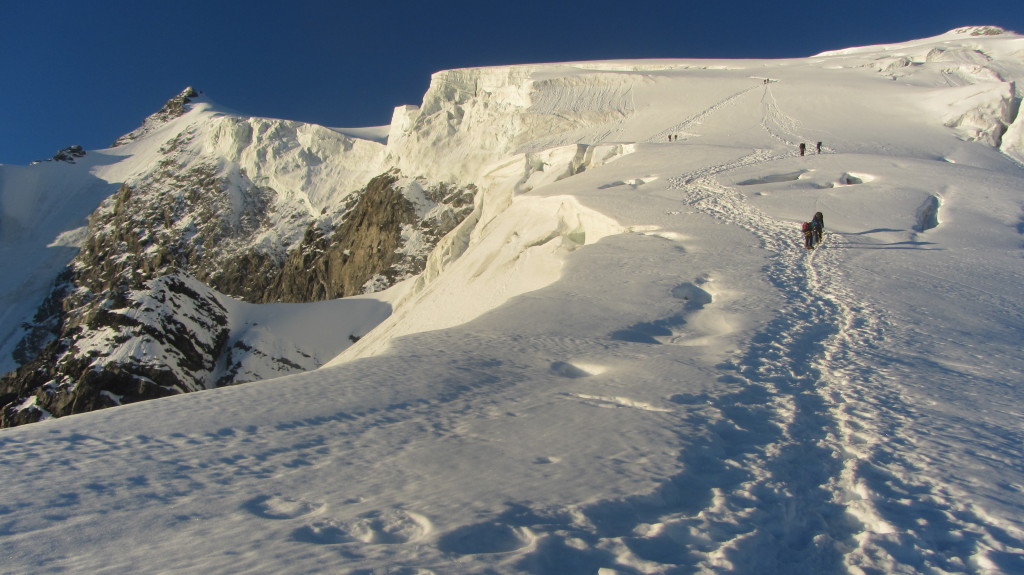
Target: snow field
630,368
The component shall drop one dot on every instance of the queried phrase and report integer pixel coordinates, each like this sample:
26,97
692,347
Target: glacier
620,360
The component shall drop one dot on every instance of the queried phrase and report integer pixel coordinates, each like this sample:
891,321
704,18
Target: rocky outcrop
67,155
124,346
188,219
365,253
334,264
174,108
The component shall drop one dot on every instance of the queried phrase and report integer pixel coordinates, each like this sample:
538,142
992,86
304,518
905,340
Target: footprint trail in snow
809,483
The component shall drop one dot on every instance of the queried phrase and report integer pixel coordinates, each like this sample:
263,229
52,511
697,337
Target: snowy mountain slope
39,219
42,226
633,367
260,209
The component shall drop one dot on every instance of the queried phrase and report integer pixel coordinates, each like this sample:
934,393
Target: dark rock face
330,265
128,345
134,316
363,254
69,154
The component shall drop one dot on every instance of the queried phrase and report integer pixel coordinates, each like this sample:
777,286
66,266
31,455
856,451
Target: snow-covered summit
174,108
620,360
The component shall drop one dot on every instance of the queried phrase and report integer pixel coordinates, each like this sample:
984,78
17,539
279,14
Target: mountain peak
173,108
176,105
978,31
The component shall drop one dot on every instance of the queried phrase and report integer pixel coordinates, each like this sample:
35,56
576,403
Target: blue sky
81,72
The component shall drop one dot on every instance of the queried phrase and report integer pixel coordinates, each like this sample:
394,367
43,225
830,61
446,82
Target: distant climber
818,227
819,147
808,236
803,148
815,233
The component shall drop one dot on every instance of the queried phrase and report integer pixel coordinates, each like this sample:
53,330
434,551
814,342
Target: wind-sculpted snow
619,358
469,117
988,102
477,117
303,163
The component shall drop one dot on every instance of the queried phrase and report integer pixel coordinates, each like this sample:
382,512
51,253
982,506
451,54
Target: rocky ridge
137,314
174,108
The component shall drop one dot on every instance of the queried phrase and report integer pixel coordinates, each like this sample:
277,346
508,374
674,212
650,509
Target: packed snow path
808,469
817,473
696,119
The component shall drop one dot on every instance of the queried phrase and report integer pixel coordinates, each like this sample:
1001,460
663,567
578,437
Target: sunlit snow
625,362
